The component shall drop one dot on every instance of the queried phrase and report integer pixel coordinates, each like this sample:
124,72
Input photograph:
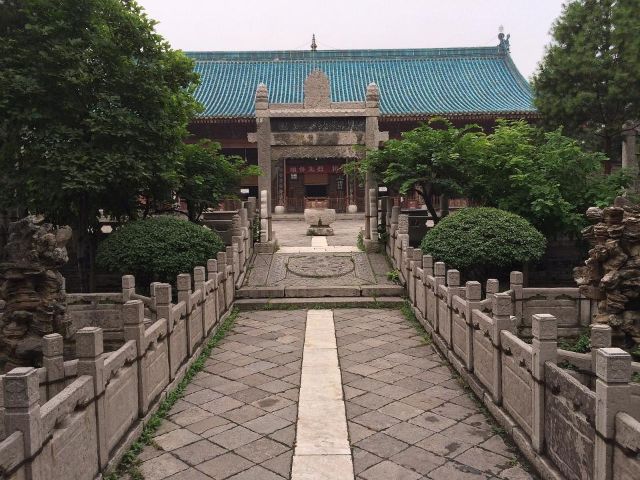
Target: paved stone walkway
293,233
407,416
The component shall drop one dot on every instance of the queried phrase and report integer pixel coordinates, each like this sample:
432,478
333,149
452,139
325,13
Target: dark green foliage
158,249
545,177
94,106
433,159
588,80
474,240
582,344
205,176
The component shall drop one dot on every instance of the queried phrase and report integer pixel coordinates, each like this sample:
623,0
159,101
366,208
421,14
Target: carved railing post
439,273
544,345
613,368
501,312
454,288
601,336
53,362
199,274
184,295
516,280
473,295
89,349
128,287
212,275
133,314
164,309
22,411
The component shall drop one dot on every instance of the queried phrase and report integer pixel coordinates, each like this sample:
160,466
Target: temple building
300,115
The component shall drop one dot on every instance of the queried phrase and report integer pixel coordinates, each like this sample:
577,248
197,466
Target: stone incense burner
319,221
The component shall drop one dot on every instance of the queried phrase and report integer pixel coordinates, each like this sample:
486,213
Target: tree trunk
426,193
83,245
609,153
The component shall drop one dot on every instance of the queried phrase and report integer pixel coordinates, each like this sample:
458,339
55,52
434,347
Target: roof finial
504,41
314,46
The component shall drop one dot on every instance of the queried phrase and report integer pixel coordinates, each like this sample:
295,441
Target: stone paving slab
237,419
408,417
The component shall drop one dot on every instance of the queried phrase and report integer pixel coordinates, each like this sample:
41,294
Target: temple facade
301,115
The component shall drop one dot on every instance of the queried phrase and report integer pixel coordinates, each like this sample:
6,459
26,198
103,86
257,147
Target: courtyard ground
408,417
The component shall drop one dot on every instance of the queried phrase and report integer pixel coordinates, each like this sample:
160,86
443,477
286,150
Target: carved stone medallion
320,266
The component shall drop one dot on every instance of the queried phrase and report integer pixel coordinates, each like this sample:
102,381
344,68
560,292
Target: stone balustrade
76,418
576,423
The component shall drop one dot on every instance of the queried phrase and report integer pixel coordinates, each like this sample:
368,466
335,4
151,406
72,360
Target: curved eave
525,114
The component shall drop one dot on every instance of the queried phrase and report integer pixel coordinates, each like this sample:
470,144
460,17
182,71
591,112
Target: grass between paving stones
496,428
129,465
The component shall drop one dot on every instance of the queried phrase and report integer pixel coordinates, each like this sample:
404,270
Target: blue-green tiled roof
411,82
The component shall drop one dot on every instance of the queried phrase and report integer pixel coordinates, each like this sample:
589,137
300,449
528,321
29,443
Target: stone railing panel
69,434
570,410
485,352
517,381
626,450
12,457
178,343
121,393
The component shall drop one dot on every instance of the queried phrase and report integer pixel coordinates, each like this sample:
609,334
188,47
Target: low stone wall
576,424
75,418
573,310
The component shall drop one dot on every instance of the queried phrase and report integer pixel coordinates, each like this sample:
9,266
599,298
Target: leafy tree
205,176
427,160
93,109
589,79
546,177
158,248
484,241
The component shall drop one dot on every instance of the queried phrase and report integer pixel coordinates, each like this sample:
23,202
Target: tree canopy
589,79
94,105
429,161
546,177
205,176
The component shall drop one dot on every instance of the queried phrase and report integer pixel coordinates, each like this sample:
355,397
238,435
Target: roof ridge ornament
314,46
504,41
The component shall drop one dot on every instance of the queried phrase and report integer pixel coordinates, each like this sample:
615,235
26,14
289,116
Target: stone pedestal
320,220
352,209
279,209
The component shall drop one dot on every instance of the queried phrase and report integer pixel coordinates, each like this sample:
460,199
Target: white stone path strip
319,242
312,249
322,444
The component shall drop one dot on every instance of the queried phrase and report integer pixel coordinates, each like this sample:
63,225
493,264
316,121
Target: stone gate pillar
372,141
263,139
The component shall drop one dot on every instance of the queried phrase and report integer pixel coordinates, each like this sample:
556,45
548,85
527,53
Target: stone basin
320,220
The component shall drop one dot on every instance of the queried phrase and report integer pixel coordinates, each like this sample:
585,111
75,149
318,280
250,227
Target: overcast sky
348,24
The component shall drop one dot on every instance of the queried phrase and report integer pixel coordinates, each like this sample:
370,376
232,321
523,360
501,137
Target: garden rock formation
611,275
32,289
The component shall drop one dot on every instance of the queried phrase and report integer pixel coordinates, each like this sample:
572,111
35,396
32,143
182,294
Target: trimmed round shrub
158,249
482,240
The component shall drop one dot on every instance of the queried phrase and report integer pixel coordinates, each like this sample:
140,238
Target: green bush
482,241
158,249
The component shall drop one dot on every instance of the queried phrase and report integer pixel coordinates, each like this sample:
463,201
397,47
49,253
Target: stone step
317,292
318,302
